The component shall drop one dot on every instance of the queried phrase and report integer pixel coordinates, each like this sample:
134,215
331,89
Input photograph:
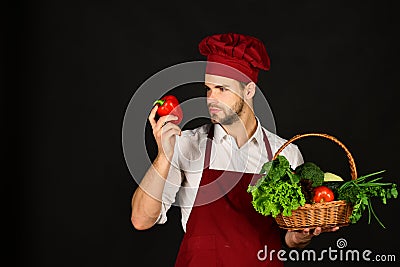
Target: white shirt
187,163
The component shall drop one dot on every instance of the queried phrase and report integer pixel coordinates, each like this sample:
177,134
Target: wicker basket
326,214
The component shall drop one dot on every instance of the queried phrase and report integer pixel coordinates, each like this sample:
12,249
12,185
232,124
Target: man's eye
206,88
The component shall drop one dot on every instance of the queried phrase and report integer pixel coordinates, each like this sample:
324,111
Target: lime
330,177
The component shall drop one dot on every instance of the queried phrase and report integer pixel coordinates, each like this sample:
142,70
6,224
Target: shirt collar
257,137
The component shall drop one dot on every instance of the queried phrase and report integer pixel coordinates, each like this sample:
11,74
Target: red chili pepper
169,104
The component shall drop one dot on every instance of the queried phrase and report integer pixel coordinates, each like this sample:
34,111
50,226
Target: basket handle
353,170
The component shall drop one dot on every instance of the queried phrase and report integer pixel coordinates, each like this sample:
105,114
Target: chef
207,170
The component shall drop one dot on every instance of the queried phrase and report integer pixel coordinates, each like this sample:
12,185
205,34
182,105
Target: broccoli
311,171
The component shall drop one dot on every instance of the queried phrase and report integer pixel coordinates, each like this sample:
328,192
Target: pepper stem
159,101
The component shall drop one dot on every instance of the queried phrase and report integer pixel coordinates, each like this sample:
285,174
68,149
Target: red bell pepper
169,105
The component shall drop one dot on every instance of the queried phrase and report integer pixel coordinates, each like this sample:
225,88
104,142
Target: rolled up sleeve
171,188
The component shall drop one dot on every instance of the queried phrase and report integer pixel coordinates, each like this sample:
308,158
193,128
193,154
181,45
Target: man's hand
146,200
164,132
300,239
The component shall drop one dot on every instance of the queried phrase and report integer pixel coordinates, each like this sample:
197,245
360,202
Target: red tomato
323,194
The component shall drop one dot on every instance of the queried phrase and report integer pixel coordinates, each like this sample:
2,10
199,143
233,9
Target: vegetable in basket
278,190
281,190
311,176
323,194
310,170
331,177
360,192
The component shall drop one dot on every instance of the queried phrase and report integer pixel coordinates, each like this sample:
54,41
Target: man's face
224,99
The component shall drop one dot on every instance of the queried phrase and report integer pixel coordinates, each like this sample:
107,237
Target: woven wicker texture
325,215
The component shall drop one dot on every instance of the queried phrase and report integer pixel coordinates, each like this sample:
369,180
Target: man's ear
250,90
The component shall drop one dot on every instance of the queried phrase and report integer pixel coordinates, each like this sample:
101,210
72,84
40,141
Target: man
207,170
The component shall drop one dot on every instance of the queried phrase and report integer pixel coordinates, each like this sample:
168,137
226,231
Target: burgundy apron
228,231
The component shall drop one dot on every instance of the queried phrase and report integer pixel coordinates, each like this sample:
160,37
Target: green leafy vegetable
278,190
282,189
360,191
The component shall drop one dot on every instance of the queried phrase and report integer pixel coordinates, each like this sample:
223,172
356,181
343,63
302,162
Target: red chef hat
244,53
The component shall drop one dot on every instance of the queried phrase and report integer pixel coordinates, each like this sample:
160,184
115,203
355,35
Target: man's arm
296,239
146,200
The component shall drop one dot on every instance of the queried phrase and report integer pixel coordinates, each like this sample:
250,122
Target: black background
76,64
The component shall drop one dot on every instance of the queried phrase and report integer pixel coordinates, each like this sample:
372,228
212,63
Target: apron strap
207,155
267,146
210,137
